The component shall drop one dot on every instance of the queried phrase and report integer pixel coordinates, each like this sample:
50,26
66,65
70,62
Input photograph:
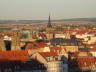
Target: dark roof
84,49
62,41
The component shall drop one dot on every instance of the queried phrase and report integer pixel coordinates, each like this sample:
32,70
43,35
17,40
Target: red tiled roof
82,54
30,46
36,46
82,32
92,32
47,54
91,44
55,49
93,50
42,35
94,28
57,32
14,55
41,44
88,60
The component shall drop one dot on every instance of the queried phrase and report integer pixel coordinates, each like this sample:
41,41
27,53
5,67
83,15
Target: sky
40,9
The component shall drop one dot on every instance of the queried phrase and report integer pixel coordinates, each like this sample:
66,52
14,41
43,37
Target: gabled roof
93,50
62,40
41,44
42,35
82,54
92,32
86,61
55,49
14,55
36,46
48,54
82,32
30,46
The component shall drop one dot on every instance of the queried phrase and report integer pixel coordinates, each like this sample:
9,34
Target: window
48,58
85,63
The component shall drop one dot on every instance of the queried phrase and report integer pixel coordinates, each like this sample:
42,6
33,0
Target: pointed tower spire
49,22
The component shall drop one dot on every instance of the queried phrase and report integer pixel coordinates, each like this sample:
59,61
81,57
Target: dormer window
58,51
51,58
85,63
59,57
48,58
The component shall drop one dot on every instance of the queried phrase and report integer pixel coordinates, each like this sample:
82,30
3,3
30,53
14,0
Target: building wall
51,65
84,35
60,36
92,40
93,54
56,66
39,58
49,36
71,48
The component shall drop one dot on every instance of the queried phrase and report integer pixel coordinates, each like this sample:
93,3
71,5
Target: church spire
49,22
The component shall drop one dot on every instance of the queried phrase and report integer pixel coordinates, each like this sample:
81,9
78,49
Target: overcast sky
39,9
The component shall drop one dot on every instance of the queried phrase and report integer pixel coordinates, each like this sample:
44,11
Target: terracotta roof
92,32
41,44
30,46
42,35
14,55
91,44
36,46
56,31
94,28
82,32
82,54
93,50
48,54
55,49
85,61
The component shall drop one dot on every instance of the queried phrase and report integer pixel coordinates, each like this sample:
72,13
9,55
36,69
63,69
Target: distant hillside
39,21
81,19
19,21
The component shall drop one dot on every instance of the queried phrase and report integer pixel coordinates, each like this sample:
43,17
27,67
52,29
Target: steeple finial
49,22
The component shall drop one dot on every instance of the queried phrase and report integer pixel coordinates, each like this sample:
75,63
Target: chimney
7,42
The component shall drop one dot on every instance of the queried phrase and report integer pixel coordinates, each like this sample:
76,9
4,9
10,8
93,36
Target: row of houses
15,61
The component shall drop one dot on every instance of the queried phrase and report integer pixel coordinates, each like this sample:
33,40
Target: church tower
49,29
49,23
